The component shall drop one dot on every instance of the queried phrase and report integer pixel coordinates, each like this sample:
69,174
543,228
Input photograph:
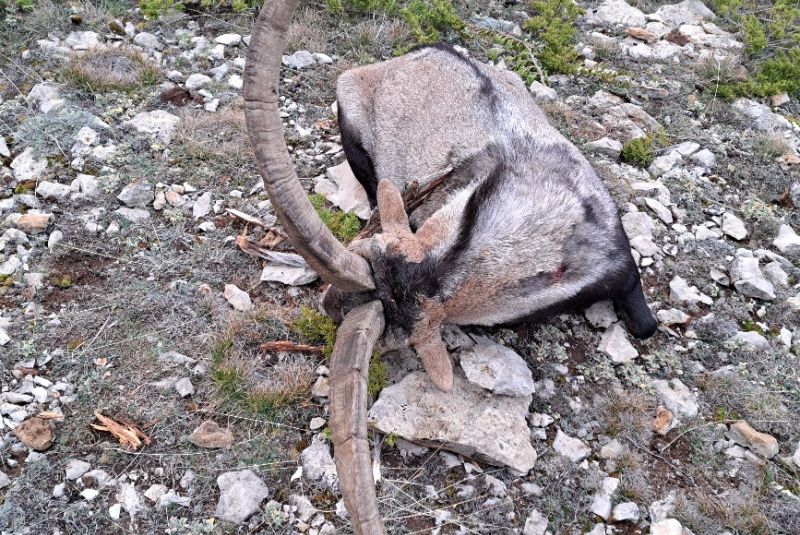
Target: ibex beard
527,229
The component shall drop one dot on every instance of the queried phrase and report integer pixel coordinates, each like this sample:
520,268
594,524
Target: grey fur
546,236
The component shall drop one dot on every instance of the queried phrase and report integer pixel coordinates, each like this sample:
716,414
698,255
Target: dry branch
128,434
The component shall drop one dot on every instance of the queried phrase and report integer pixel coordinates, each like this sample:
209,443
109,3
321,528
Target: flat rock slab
465,420
285,274
241,494
343,189
743,434
497,368
158,122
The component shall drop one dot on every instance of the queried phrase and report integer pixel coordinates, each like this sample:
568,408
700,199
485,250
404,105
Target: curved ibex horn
309,236
357,335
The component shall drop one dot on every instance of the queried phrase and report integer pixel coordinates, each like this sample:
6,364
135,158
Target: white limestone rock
616,345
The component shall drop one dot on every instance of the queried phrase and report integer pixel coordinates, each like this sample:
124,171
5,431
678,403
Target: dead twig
286,346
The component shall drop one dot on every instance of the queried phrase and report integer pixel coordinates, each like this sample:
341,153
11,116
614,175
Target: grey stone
76,468
684,12
750,340
662,509
644,246
11,265
613,450
626,511
184,387
601,314
759,115
761,443
235,81
325,59
305,510
676,397
616,345
683,294
733,226
285,274
496,368
219,72
299,60
663,213
217,52
605,145
614,12
673,316
748,279
202,206
136,216
148,40
4,480
26,167
343,189
601,501
196,81
687,148
776,275
238,299
705,159
465,420
796,456
229,39
137,194
87,185
4,148
83,40
571,448
535,524
787,242
241,494
318,464
665,163
130,499
668,526
638,224
158,122
47,96
53,190
542,93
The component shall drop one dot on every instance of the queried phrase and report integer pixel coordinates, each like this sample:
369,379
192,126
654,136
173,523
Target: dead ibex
526,231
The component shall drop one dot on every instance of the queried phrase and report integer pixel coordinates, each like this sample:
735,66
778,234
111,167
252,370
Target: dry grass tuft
111,69
627,414
220,135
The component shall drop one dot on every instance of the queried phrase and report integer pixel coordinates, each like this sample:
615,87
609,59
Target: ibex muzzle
526,230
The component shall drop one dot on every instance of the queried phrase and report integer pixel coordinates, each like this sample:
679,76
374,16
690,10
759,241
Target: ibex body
528,229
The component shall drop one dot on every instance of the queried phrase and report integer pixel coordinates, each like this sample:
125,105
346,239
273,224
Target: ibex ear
435,360
394,220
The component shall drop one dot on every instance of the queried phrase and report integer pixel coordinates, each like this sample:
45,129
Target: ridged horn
309,236
357,335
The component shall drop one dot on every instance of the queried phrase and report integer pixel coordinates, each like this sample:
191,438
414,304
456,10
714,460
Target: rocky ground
136,397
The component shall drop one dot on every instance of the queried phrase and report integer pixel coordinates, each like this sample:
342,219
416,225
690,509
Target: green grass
553,24
639,151
344,226
316,328
771,36
377,378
